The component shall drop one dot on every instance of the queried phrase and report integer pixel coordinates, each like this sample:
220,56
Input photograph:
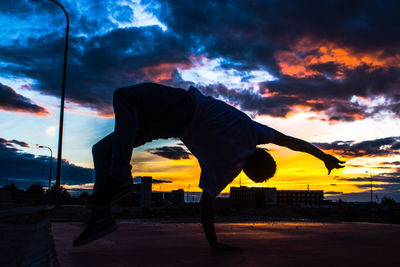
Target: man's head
260,166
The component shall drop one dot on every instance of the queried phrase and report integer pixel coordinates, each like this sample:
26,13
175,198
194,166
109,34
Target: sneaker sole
96,236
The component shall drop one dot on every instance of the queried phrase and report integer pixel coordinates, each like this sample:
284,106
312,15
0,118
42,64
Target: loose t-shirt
222,138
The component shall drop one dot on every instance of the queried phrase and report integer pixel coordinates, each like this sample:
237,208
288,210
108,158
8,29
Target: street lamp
370,174
60,134
187,194
51,162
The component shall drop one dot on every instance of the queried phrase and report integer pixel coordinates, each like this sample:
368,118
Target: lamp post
51,162
187,194
60,134
370,174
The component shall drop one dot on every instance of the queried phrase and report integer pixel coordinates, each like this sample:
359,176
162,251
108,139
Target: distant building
253,195
145,192
270,196
141,195
175,196
297,197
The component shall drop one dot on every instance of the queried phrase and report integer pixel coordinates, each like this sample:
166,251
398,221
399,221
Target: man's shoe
94,230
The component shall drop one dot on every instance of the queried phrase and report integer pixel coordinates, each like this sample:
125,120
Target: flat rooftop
141,243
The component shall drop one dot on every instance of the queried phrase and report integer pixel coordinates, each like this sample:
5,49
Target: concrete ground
139,243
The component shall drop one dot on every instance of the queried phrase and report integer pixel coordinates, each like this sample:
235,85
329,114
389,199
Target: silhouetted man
222,138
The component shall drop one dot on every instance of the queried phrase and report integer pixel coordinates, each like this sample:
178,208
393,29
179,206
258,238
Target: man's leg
102,155
126,126
111,156
100,222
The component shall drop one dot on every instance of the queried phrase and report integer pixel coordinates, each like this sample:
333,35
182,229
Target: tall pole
60,132
51,162
370,174
187,194
371,186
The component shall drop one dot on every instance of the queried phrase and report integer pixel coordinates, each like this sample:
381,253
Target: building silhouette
253,195
145,191
298,197
271,196
143,196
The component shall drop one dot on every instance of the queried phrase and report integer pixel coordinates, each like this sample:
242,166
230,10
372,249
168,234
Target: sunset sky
324,71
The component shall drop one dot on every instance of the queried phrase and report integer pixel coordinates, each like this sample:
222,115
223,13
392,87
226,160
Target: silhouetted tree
84,195
35,188
10,187
64,194
387,201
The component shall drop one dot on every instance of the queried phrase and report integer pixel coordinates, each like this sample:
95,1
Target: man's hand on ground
224,247
332,163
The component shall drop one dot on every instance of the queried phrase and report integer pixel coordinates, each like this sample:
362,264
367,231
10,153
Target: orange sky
292,64
295,172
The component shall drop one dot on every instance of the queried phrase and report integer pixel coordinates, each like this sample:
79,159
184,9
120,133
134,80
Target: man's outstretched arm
207,221
300,145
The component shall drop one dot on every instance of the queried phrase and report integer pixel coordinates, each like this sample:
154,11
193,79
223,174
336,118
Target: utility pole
60,132
187,194
370,174
51,162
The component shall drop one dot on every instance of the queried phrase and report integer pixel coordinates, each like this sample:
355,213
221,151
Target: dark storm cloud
320,93
277,106
248,35
371,148
16,164
392,178
154,181
390,163
12,101
252,32
20,143
11,143
384,188
384,184
97,66
170,152
333,193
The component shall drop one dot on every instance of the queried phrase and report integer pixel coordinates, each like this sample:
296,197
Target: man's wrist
323,156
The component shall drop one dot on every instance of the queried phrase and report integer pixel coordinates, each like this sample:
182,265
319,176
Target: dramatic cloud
371,148
170,152
11,101
337,59
19,165
384,184
387,180
10,143
98,65
390,163
323,55
154,181
333,193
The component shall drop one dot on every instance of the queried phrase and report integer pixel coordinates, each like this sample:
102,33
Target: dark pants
143,112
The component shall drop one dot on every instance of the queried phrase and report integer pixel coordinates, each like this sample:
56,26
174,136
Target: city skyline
326,73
